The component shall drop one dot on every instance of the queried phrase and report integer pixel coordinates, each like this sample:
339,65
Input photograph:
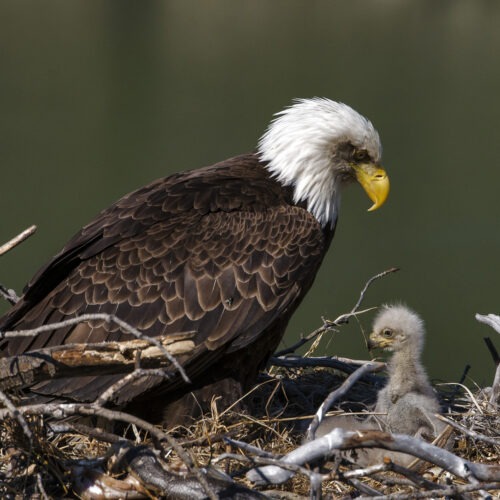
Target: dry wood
493,320
74,360
47,370
339,439
340,392
343,318
9,245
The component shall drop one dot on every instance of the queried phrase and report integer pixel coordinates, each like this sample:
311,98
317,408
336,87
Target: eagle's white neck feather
300,146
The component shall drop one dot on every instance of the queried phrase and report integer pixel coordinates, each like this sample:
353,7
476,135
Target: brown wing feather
219,251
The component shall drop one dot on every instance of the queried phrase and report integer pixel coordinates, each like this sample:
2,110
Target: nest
67,458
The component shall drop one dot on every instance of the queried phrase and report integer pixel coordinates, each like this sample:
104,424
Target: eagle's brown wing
206,251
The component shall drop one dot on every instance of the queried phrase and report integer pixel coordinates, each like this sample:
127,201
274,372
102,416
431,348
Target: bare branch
364,488
493,351
491,320
92,432
17,239
16,414
452,491
494,321
367,285
9,295
468,432
345,365
338,393
104,358
41,489
76,355
339,439
111,391
343,318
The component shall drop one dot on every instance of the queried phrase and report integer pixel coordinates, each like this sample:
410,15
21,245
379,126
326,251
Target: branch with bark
340,439
493,320
103,358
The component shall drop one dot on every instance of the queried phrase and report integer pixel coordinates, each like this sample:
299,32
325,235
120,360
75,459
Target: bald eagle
226,251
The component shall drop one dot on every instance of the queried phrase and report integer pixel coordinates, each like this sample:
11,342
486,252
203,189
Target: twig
249,448
469,393
367,471
493,351
343,318
16,414
414,477
342,364
92,432
112,390
208,439
367,285
495,390
364,488
9,295
339,439
492,320
305,340
447,492
41,489
338,393
464,376
291,468
17,239
456,390
468,432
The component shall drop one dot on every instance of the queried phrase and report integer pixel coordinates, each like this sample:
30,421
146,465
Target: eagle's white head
316,145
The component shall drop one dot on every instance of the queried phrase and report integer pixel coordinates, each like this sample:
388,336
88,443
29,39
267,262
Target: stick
104,358
343,318
339,439
9,295
16,414
110,318
491,320
494,321
367,285
17,239
468,432
338,393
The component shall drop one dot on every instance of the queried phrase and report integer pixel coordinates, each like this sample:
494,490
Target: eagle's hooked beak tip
375,182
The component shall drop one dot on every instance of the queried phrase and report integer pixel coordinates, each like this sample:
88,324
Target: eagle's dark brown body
222,251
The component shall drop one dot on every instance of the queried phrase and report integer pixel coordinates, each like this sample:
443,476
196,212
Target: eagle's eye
387,332
360,155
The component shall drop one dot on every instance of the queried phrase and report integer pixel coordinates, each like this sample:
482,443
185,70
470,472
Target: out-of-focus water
98,98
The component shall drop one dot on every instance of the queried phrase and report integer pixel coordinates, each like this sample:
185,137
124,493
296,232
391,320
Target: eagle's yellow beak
375,182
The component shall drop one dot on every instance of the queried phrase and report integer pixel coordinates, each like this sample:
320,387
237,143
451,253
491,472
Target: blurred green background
99,98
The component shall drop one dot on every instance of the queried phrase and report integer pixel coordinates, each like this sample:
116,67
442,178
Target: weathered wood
75,360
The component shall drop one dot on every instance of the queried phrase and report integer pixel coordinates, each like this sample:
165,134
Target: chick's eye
360,155
387,333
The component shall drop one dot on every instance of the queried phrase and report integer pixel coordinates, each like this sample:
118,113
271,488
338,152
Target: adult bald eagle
227,251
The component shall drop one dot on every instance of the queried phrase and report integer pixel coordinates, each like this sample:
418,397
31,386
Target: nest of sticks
53,456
